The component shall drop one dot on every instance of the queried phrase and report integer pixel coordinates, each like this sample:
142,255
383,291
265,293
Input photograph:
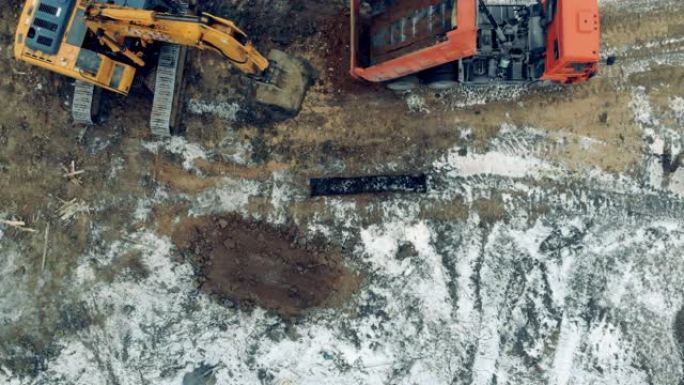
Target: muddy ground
232,195
245,263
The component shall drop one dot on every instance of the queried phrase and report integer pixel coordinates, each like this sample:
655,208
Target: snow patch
116,167
15,300
179,146
66,369
235,150
282,192
568,342
661,139
424,276
229,196
224,110
641,107
649,64
493,163
677,106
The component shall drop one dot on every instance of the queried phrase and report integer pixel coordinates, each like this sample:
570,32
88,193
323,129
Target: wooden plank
368,185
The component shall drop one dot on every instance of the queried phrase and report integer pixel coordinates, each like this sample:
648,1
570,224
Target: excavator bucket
286,84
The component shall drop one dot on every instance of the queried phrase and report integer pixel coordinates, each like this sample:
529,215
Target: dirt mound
253,263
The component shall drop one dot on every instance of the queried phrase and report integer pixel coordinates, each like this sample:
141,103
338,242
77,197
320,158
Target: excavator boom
113,23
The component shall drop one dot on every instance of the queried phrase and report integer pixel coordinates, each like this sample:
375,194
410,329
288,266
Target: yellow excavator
105,43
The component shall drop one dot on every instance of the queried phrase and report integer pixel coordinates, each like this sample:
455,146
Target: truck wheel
441,81
444,84
441,78
406,83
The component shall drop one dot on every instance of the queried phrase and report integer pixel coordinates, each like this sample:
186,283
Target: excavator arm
112,24
281,80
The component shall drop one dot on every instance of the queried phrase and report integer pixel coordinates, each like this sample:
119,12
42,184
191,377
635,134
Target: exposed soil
335,38
249,263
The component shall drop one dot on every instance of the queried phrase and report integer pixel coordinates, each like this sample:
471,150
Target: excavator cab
51,34
573,40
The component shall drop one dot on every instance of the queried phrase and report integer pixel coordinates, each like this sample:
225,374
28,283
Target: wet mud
244,264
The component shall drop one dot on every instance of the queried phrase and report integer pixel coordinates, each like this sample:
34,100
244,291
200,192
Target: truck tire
443,84
441,78
406,83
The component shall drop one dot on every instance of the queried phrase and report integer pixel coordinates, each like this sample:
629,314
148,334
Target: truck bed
398,27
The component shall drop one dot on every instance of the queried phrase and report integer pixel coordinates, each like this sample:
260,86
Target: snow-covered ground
578,281
584,291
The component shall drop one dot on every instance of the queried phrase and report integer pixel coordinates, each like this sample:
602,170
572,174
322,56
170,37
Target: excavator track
165,89
168,86
82,110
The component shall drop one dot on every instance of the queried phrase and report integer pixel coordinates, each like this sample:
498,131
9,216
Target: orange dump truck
445,42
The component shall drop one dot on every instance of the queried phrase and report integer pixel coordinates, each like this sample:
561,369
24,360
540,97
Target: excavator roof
52,17
127,3
48,25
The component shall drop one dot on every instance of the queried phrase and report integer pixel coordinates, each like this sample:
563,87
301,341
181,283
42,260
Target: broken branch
19,225
72,173
45,247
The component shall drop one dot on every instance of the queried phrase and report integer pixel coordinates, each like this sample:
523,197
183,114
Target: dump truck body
470,41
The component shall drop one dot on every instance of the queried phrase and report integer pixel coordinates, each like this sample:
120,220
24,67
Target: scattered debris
45,246
416,103
72,173
18,224
69,209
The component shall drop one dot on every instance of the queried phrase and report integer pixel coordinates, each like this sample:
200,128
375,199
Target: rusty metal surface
405,26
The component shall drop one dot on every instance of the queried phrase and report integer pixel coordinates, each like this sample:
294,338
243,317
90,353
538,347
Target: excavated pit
245,263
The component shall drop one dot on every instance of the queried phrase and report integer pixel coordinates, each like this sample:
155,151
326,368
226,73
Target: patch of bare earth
252,263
